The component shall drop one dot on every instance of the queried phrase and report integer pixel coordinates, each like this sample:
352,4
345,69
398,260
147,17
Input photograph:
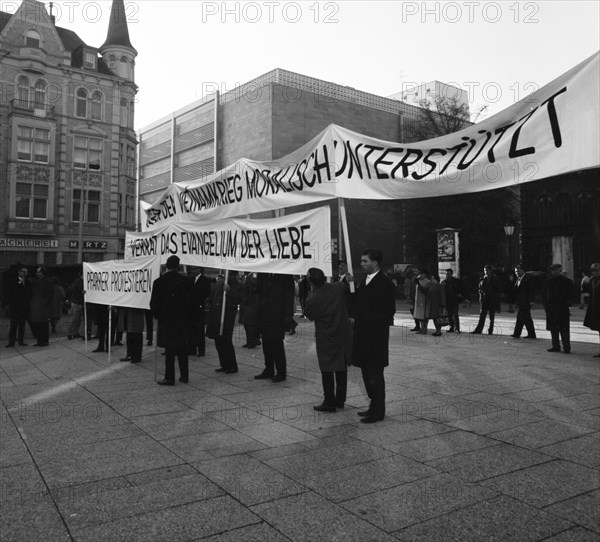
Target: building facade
67,144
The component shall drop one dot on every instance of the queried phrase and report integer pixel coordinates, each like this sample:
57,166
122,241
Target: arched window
564,209
97,105
112,62
32,39
584,207
545,208
23,91
40,95
81,103
124,59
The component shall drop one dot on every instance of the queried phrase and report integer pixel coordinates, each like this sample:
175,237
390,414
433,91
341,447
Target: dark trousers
149,326
17,330
252,334
485,308
134,346
564,333
524,319
335,385
41,332
453,319
182,358
226,352
102,336
198,342
375,386
273,349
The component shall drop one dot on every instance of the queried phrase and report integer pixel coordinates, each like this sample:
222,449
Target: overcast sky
498,51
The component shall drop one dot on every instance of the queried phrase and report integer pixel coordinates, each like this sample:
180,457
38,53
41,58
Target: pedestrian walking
372,315
422,310
558,295
171,304
489,299
19,300
592,314
523,295
326,306
453,293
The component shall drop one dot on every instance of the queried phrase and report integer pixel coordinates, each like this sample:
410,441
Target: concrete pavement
486,438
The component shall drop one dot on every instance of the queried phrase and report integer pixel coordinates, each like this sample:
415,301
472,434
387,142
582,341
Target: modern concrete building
67,144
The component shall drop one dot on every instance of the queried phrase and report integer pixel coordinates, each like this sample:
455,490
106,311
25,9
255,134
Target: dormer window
32,39
89,60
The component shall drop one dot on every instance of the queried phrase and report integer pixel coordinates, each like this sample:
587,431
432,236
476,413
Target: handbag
443,319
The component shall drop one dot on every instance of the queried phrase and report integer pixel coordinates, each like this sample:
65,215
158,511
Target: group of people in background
439,301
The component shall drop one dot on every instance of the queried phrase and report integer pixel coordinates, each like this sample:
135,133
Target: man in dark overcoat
372,314
276,294
522,297
558,295
592,314
19,299
326,306
171,304
41,302
453,290
489,299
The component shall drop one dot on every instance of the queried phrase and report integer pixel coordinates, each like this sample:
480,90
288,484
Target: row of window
564,209
88,104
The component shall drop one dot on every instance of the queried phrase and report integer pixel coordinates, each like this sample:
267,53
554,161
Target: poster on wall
448,251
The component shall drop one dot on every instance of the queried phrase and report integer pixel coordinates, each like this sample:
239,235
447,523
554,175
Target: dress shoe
437,334
263,376
127,358
371,419
553,349
22,344
231,371
450,330
597,355
251,346
490,332
475,332
278,378
530,337
324,408
10,345
363,413
515,336
245,345
184,380
339,404
220,370
567,351
416,329
165,382
97,349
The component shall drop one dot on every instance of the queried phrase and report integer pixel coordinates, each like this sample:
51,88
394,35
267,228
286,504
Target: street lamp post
509,230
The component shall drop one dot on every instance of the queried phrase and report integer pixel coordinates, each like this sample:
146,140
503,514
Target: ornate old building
67,144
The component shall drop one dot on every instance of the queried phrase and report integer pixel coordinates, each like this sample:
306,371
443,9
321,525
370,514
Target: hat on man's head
172,262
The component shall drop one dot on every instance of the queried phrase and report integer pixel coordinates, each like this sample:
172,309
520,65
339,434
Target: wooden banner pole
342,206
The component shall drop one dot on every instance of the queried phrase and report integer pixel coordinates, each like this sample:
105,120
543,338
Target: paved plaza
486,438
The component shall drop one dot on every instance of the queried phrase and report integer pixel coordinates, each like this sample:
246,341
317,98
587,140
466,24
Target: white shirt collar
370,277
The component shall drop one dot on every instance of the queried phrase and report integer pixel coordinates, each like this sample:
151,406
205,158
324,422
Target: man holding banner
372,314
171,305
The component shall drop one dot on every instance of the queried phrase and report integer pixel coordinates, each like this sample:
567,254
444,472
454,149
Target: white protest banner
554,130
124,283
289,244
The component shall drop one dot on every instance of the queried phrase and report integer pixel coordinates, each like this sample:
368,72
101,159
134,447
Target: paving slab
495,520
582,509
583,450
